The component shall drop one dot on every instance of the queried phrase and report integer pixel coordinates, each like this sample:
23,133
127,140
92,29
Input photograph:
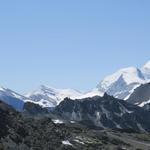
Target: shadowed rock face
106,112
4,120
140,94
34,109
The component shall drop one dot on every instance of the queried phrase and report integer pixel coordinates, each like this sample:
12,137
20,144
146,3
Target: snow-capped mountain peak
12,98
50,97
42,89
11,93
130,75
146,70
147,65
121,83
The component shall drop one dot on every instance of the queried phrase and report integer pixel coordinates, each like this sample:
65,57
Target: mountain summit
146,70
50,97
122,83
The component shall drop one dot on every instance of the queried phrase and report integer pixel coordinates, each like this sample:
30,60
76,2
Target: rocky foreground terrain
18,132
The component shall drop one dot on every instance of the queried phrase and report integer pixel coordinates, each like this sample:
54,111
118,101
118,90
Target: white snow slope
51,97
122,83
12,98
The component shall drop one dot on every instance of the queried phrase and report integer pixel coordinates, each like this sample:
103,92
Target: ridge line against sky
70,44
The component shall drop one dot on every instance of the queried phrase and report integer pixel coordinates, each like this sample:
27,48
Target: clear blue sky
70,43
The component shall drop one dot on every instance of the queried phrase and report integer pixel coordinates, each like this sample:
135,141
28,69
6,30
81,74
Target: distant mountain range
44,96
120,84
120,102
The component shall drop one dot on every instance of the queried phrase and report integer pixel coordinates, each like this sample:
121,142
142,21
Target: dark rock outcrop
34,109
105,112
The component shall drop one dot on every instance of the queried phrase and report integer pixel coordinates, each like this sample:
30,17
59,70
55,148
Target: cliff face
105,112
34,109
